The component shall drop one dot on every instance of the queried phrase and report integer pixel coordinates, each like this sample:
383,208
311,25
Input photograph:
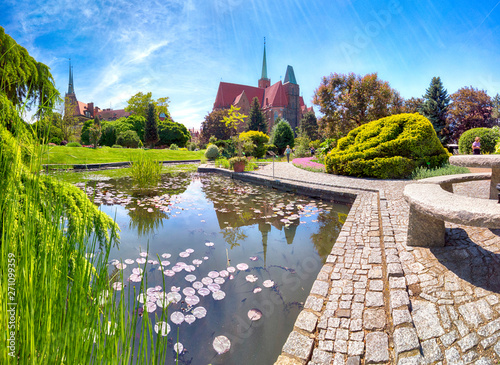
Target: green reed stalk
146,172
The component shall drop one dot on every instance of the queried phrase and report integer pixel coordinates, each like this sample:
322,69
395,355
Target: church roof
227,94
110,114
275,96
290,75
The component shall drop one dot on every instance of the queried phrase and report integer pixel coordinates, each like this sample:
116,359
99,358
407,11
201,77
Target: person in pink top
476,146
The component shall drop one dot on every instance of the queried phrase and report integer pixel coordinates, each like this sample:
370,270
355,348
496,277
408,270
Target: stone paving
378,301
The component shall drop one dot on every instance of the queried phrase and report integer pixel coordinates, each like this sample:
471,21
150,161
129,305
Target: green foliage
387,148
85,136
236,159
116,146
213,126
257,120
309,126
282,135
212,152
73,144
151,128
108,134
302,146
128,139
222,162
315,144
23,80
174,147
138,105
227,148
255,142
435,106
171,132
95,132
423,172
488,137
234,118
55,140
146,172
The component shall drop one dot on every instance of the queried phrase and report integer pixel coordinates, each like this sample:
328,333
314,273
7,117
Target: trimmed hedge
388,148
212,152
488,136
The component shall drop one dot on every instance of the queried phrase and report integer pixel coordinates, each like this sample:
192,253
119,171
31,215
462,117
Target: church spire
264,81
71,89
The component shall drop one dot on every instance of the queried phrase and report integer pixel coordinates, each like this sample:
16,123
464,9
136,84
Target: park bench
432,202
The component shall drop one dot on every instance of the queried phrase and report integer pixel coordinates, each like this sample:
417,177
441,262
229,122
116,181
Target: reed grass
146,172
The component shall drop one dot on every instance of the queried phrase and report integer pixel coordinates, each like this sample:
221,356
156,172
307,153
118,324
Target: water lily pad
209,244
223,273
137,271
165,263
150,307
169,272
120,266
143,254
219,281
268,283
257,290
221,344
190,250
207,280
251,278
188,291
213,287
254,258
254,314
162,328
203,292
135,278
218,295
197,262
166,255
189,318
231,269
175,289
184,254
242,267
177,268
129,261
117,286
141,298
199,312
213,274
178,347
140,260
197,285
174,297
190,278
177,317
192,299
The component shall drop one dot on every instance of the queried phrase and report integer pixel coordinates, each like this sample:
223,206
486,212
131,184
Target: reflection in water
264,247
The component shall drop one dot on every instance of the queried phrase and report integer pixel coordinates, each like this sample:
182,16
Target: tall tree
348,101
151,127
469,108
23,80
435,107
138,104
282,135
495,113
413,105
257,121
309,126
213,126
95,132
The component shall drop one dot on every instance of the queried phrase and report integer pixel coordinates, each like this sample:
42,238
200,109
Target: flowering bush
307,163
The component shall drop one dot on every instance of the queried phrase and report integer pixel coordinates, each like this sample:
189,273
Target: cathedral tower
264,82
292,110
70,101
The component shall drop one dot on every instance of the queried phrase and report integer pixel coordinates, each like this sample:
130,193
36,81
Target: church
83,111
281,99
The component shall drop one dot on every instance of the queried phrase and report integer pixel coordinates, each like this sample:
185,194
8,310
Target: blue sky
183,48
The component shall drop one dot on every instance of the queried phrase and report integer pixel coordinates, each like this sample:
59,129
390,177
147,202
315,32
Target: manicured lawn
83,155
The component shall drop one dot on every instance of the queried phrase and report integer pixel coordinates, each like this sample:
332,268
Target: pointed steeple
264,81
71,89
290,75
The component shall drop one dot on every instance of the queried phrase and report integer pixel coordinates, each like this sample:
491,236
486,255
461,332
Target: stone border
96,166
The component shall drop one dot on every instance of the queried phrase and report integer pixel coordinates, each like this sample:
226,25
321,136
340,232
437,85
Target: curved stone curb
95,166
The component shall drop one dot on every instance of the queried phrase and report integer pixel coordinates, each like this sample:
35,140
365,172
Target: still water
232,259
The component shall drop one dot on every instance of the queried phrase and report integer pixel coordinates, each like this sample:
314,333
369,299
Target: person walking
476,146
287,152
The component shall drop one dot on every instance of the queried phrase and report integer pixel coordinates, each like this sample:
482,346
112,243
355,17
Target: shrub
236,159
183,149
222,162
116,146
73,144
227,147
258,140
146,172
326,146
488,136
315,144
55,140
390,147
282,135
212,152
191,146
85,136
128,139
108,134
173,147
302,146
423,172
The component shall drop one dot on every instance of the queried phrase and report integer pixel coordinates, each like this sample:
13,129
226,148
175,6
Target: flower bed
306,163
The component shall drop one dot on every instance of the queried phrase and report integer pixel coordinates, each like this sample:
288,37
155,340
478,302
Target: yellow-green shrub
388,148
259,140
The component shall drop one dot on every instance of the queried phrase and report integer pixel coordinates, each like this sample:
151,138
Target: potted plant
238,163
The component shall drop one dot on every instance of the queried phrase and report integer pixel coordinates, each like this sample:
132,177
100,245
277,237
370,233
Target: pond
231,259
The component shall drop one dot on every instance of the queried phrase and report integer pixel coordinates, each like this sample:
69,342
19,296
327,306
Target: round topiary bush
488,136
55,140
128,139
388,148
73,144
212,152
173,147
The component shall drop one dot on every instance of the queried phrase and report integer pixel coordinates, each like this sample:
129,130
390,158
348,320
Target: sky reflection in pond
232,249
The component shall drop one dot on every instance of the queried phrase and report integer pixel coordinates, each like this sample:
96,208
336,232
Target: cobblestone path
378,301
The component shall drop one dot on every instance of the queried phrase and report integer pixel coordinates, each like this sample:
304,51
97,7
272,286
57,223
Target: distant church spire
264,81
71,89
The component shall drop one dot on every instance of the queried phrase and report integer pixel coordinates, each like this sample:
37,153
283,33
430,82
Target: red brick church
281,99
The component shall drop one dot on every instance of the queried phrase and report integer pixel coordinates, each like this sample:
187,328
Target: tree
25,81
85,136
151,127
435,106
171,132
95,132
213,126
495,113
413,105
257,121
469,108
138,104
282,135
308,126
348,101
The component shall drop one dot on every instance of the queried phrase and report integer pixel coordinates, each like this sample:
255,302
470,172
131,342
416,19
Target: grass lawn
84,155
75,177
